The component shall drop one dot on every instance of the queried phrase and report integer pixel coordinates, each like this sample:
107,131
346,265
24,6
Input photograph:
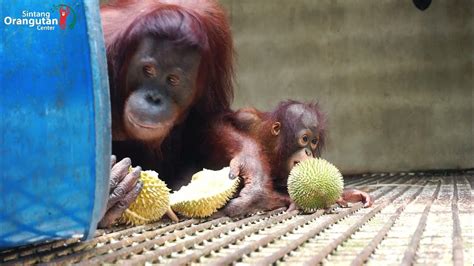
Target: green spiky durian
208,191
315,184
152,202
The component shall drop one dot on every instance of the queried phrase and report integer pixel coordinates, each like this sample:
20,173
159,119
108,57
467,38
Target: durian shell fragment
315,184
208,191
152,202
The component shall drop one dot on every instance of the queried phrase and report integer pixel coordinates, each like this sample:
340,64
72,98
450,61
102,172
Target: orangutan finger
366,199
235,167
246,202
342,203
120,207
292,207
124,187
237,207
118,172
113,160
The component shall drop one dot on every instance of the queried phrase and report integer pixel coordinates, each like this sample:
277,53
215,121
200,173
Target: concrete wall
395,82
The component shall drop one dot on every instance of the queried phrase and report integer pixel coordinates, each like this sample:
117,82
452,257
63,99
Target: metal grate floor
418,218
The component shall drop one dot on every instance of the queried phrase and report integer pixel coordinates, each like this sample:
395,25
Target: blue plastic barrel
54,120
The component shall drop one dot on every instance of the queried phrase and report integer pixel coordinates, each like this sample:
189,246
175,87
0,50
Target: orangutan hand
355,195
124,189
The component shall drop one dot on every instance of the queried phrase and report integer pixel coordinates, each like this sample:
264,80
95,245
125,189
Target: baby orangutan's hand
355,195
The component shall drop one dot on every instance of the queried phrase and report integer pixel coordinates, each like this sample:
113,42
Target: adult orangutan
170,72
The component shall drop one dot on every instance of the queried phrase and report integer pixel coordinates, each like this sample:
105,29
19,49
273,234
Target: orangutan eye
173,80
315,141
149,70
305,139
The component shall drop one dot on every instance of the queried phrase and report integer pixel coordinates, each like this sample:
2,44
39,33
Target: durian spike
152,202
208,191
170,213
134,214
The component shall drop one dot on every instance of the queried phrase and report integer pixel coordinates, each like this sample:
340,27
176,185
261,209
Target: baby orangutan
289,134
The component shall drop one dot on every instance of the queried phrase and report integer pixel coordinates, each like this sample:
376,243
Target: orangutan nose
308,152
153,99
295,163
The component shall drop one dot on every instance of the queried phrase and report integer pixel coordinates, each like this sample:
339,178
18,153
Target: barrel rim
102,113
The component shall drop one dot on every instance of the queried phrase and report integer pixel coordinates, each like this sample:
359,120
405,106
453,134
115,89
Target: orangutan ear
276,128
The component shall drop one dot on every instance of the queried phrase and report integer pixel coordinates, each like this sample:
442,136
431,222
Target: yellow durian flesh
152,202
208,191
315,184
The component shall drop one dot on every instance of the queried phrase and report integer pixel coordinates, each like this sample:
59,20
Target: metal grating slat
418,218
315,248
215,233
458,255
369,249
278,235
334,244
233,238
410,253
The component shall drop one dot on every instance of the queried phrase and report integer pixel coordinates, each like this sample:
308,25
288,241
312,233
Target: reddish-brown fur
199,23
244,138
170,146
125,23
269,189
247,160
278,149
